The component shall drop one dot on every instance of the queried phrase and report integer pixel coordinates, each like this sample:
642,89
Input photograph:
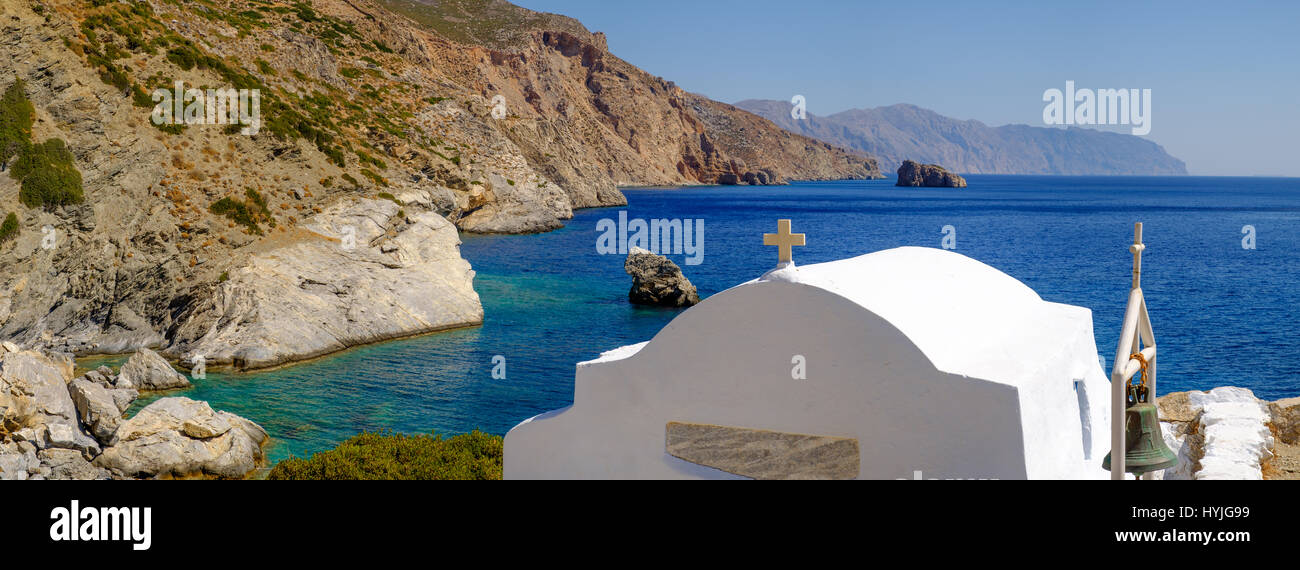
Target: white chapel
908,363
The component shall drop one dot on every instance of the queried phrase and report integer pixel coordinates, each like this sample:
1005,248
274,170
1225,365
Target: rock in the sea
656,280
912,173
146,370
97,409
180,437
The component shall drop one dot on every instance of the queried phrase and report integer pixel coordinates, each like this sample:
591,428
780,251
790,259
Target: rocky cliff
384,128
900,132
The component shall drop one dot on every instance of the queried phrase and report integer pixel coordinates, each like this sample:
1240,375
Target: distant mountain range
906,132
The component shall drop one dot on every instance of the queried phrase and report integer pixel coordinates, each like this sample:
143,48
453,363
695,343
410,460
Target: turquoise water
1222,314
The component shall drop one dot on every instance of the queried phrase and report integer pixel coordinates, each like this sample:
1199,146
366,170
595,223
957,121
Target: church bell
1144,444
1145,448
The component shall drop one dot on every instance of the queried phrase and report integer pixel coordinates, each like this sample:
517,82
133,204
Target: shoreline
79,359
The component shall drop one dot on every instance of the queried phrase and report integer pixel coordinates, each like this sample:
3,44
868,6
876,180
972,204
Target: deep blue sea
1222,314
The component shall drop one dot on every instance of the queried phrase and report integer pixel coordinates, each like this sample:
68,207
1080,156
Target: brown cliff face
590,121
495,118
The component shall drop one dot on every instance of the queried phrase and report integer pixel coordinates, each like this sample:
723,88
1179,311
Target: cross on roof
783,240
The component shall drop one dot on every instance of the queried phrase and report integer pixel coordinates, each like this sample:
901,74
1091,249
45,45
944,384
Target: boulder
97,409
39,437
35,404
656,280
146,370
68,464
123,397
17,461
179,437
99,378
912,173
1286,419
65,435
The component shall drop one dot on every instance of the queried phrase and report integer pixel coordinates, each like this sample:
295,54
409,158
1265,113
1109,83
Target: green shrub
374,177
385,455
16,117
48,176
9,228
247,213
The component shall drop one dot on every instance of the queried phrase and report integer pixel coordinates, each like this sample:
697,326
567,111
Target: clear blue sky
1225,76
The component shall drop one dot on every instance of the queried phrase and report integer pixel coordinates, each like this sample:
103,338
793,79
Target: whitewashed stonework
930,361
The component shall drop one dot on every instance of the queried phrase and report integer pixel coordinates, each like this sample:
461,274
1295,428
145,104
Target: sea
1219,274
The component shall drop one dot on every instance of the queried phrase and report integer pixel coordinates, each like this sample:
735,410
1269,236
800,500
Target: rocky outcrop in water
656,280
912,173
54,426
359,272
146,370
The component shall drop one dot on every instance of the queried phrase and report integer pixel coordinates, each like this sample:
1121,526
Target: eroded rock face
359,273
181,437
656,280
146,370
912,173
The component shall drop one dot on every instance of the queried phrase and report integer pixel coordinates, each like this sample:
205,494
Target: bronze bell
1144,444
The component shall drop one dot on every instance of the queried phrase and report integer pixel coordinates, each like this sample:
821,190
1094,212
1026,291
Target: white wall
727,362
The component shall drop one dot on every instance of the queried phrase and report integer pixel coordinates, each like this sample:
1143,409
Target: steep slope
900,132
336,222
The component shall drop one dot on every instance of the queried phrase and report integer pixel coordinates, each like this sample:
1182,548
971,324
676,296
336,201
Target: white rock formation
357,273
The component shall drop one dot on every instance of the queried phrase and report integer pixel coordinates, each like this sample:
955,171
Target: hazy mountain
901,132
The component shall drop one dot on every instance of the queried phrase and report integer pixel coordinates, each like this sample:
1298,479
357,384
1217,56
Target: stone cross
783,240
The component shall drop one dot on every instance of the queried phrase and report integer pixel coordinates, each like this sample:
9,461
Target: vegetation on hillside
9,228
250,212
48,176
16,118
385,455
491,23
46,171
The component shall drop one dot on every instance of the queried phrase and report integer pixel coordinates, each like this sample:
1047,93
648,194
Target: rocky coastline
57,426
310,237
